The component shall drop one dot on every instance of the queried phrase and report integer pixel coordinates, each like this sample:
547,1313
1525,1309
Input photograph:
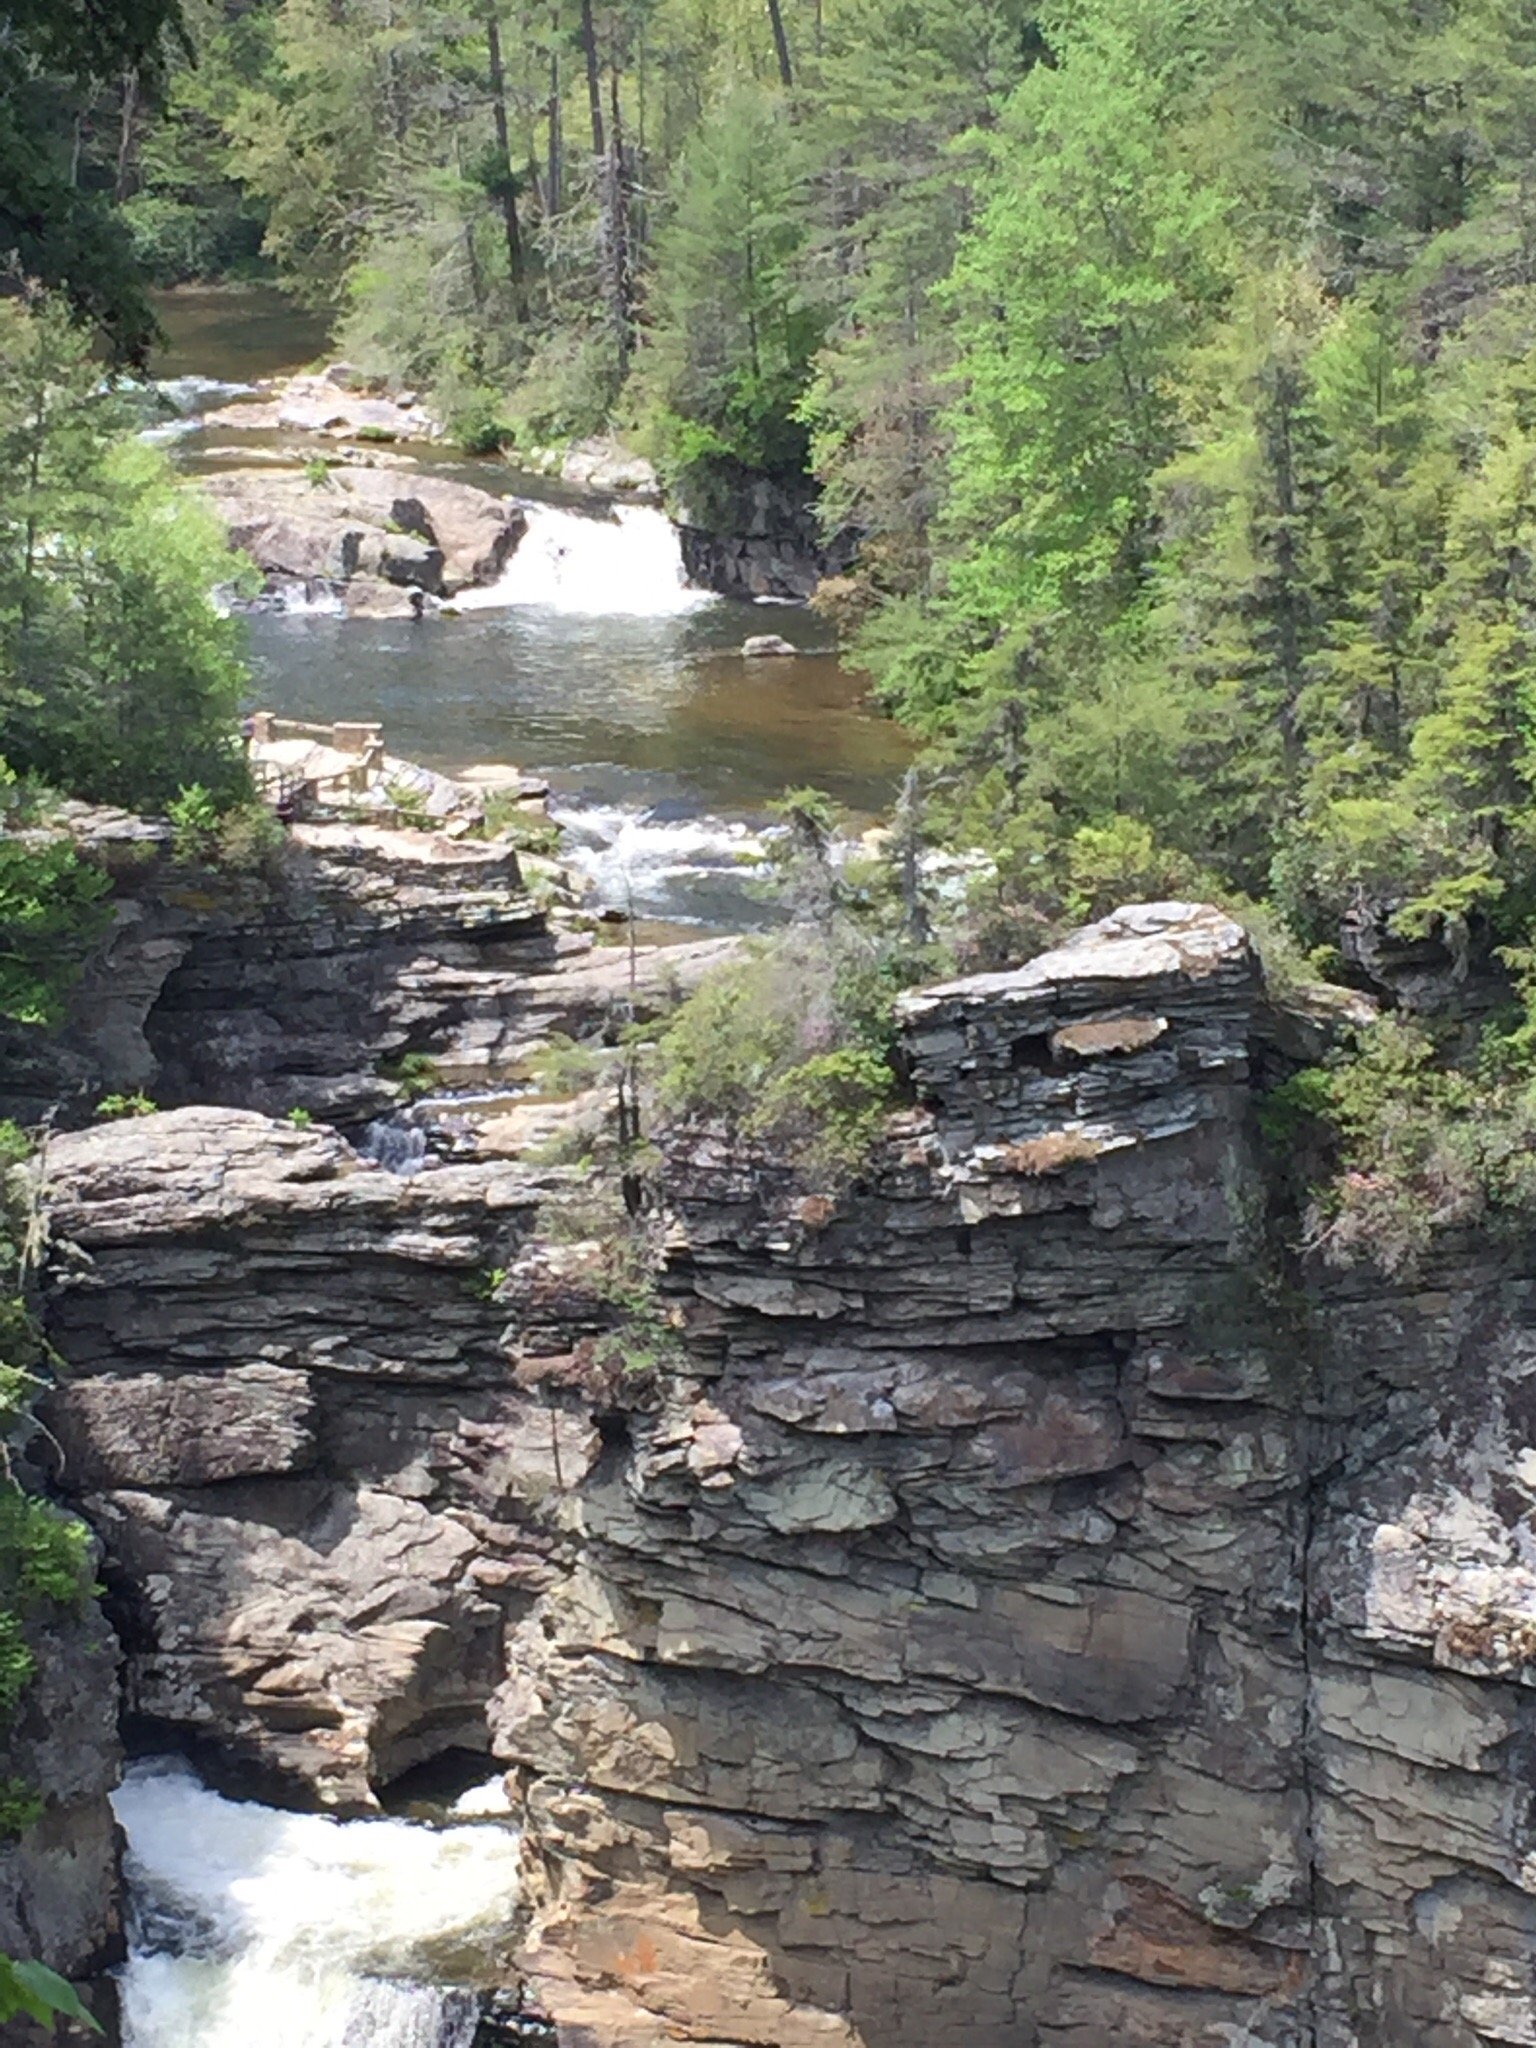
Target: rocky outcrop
305,987
366,525
1019,1605
759,538
286,1410
336,401
59,1878
607,469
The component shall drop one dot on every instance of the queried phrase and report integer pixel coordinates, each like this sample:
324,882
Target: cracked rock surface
1032,1610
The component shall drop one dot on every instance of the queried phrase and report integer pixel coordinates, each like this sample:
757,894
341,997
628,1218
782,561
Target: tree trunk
504,150
552,188
594,83
616,231
780,44
127,127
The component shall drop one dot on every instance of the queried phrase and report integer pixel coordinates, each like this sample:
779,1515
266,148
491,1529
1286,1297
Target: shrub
528,831
193,814
414,1074
249,840
50,913
114,1108
787,1047
564,1067
1419,1144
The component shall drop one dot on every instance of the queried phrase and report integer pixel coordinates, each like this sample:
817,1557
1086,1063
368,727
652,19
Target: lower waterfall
253,1928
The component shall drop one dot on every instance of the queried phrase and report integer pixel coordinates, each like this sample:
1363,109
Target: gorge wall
1025,1607
756,537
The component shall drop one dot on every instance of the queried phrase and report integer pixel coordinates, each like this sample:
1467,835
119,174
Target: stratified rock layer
1031,1612
304,988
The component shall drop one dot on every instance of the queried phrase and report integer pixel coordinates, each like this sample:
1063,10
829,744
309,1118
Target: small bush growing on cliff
788,1048
1420,1144
45,1556
114,1108
50,912
414,1074
237,838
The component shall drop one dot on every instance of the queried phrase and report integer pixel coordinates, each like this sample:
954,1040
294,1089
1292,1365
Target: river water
591,664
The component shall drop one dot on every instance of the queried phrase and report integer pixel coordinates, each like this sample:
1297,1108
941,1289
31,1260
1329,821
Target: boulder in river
610,470
424,531
760,646
333,402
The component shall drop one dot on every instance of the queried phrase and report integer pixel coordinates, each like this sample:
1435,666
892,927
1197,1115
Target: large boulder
332,403
428,532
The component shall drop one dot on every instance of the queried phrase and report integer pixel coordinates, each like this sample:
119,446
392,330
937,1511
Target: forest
1169,365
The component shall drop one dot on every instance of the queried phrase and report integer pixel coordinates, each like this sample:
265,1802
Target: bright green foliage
118,678
1097,259
45,1556
733,326
897,85
788,1048
49,912
34,1992
1422,1144
114,1108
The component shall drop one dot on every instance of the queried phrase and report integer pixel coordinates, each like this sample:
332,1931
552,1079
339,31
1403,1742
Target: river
591,666
253,1928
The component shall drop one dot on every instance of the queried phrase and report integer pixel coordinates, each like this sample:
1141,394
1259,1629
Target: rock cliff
303,988
759,538
1030,1608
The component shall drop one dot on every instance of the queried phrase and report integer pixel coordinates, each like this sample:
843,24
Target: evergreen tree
118,677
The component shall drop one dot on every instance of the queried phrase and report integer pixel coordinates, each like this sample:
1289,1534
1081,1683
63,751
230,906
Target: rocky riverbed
1022,1606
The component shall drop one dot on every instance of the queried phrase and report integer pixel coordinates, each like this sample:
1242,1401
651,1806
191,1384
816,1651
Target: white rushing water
251,1928
629,564
634,858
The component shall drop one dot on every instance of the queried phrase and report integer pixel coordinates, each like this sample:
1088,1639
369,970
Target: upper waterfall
627,562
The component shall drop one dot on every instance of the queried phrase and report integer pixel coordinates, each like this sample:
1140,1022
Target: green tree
57,221
119,679
731,327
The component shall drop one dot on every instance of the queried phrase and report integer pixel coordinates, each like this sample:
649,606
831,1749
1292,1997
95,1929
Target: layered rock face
759,539
303,991
1027,1611
58,1880
286,1412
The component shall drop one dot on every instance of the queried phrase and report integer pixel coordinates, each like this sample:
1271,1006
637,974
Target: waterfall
250,1928
397,1146
638,858
628,562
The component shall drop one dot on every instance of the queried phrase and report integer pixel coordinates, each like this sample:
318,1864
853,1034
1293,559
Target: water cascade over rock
627,562
251,1928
